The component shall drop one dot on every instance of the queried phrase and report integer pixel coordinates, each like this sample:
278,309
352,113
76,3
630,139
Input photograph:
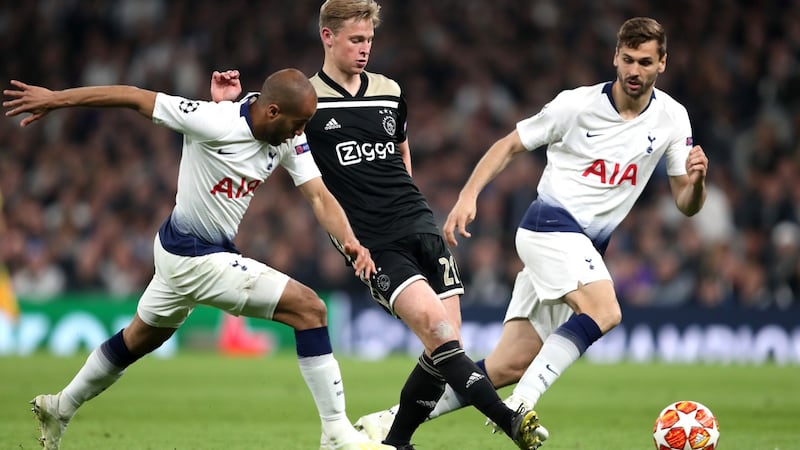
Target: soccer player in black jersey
358,140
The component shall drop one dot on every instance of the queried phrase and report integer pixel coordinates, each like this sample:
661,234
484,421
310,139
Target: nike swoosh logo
337,382
551,370
590,135
222,152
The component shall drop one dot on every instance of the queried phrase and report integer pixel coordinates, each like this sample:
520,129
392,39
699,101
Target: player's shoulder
322,88
191,115
574,100
583,92
669,103
377,86
293,147
381,85
670,110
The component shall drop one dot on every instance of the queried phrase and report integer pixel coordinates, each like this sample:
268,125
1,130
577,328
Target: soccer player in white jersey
603,143
229,149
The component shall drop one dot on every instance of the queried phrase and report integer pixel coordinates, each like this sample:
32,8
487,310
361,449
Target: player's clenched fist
696,165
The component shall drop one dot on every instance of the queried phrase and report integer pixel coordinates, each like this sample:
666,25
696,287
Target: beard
644,86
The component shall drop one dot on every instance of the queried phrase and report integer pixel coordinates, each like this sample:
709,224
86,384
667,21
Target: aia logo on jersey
235,189
612,173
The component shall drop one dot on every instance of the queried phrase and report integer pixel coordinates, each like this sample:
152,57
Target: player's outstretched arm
38,101
332,217
689,191
492,163
225,86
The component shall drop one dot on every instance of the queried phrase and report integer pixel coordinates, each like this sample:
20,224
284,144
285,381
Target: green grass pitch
207,401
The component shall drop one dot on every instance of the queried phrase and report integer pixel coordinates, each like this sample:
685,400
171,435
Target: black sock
422,390
471,383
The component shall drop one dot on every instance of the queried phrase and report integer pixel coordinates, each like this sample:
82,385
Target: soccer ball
686,425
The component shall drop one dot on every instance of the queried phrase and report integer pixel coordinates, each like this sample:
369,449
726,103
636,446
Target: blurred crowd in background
86,190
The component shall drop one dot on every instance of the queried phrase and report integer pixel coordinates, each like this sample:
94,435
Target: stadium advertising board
683,335
72,323
680,335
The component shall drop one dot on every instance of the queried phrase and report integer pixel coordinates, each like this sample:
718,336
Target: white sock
448,402
556,355
95,376
324,380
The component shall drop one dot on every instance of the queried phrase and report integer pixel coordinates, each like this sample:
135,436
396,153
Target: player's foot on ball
51,424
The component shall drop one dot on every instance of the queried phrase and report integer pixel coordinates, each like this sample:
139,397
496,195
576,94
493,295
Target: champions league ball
686,425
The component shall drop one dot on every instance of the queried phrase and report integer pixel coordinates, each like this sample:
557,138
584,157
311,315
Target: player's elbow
691,208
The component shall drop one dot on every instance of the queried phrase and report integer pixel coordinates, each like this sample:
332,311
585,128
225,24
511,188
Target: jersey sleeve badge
301,148
188,106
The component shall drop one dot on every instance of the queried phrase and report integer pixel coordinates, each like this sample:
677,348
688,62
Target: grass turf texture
207,401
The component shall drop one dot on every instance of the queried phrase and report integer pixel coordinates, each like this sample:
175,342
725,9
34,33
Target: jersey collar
244,109
338,88
607,91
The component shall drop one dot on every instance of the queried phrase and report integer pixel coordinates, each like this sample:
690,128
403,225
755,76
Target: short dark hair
638,30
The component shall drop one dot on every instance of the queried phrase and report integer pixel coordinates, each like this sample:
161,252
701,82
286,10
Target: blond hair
334,13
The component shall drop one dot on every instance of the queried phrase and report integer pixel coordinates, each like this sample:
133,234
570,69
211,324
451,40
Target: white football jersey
598,163
221,166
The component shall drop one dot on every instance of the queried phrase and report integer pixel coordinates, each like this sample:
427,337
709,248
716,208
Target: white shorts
230,282
554,265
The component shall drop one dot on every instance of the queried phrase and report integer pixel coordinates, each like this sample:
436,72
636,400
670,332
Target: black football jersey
354,140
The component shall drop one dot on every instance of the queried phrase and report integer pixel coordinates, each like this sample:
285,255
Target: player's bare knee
434,333
608,318
313,312
444,330
438,332
613,318
616,319
300,308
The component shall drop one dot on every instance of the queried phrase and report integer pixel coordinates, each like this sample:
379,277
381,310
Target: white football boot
51,424
376,425
352,440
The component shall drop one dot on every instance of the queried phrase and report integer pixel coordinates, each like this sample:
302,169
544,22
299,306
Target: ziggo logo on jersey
350,152
227,187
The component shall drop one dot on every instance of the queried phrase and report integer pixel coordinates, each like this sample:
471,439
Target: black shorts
413,257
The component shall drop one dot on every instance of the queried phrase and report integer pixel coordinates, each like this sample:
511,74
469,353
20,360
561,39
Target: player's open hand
363,265
35,100
225,86
696,165
462,214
